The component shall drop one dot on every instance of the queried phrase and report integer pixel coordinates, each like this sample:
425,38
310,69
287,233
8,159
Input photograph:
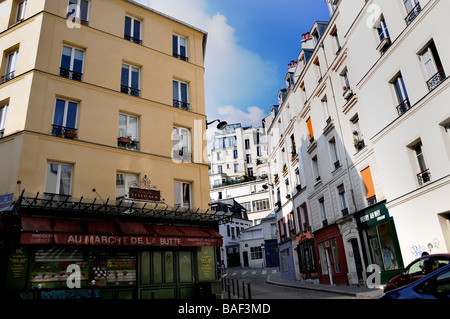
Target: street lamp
221,126
266,186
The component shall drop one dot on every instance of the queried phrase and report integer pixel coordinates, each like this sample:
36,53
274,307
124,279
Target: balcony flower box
347,92
125,140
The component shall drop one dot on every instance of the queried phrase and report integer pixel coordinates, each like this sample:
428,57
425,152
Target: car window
418,267
439,262
443,283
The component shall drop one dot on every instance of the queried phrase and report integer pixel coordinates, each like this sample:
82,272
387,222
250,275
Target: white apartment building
359,143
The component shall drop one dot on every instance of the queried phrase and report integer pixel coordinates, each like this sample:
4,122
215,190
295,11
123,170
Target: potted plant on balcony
347,92
125,140
71,133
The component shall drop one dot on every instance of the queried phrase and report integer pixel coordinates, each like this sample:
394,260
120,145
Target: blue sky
250,43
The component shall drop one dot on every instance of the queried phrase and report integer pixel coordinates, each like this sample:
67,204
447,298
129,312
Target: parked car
418,269
435,285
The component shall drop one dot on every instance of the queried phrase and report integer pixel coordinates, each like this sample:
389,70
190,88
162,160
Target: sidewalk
359,292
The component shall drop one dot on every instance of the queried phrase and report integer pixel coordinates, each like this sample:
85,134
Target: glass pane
66,179
84,10
51,178
175,44
186,195
125,75
337,261
176,138
58,118
183,47
177,194
157,267
71,120
133,127
168,267
120,185
66,57
122,125
175,91
128,26
184,92
185,266
78,61
137,30
135,78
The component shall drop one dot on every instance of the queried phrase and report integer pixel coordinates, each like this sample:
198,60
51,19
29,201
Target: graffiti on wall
418,249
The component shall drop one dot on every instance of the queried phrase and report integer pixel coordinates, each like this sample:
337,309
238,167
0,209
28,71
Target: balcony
436,79
185,106
70,74
181,57
132,39
424,177
65,132
130,90
413,14
359,144
403,106
347,92
8,77
127,143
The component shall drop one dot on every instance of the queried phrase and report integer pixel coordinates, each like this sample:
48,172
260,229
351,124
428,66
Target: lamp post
221,126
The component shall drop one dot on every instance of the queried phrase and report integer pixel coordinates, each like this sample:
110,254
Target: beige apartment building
102,104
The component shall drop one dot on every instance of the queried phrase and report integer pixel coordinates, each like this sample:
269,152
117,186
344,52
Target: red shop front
332,264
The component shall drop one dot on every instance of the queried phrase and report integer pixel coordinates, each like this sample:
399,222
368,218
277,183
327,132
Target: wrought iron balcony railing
182,105
403,106
132,39
66,132
8,76
70,74
436,79
424,177
130,90
181,57
413,14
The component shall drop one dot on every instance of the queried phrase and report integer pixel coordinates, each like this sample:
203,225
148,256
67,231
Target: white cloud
233,74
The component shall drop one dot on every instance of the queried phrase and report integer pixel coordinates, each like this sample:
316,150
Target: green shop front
379,240
146,253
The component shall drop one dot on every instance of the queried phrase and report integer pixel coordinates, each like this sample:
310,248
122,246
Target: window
59,179
326,110
342,200
3,112
247,144
383,34
424,175
72,63
181,144
317,69
235,154
18,11
65,119
433,66
303,91
250,172
180,48
256,253
262,204
133,30
401,94
347,91
180,95
236,168
334,154
182,194
358,138
316,169
10,67
220,169
335,36
413,9
123,184
128,135
130,80
248,158
78,10
310,130
323,212
366,176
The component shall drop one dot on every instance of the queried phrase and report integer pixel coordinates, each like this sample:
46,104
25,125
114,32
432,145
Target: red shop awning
75,232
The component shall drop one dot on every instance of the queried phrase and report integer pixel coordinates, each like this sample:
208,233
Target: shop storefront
306,256
379,240
332,265
110,257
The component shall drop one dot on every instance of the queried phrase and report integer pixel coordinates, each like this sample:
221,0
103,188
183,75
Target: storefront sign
206,269
145,194
372,216
117,240
17,268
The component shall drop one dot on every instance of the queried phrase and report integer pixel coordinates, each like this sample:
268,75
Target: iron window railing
403,106
66,132
130,90
182,105
413,14
8,76
436,79
424,177
70,74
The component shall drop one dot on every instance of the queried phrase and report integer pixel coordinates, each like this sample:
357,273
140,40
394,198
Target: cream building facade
349,166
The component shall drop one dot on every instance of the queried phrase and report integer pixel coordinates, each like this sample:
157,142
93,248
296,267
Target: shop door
329,265
358,261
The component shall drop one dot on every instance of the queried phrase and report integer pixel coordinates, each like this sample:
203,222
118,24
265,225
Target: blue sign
6,199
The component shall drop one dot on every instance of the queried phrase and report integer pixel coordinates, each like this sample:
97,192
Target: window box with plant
347,92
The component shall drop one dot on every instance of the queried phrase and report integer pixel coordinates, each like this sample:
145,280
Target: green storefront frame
380,241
